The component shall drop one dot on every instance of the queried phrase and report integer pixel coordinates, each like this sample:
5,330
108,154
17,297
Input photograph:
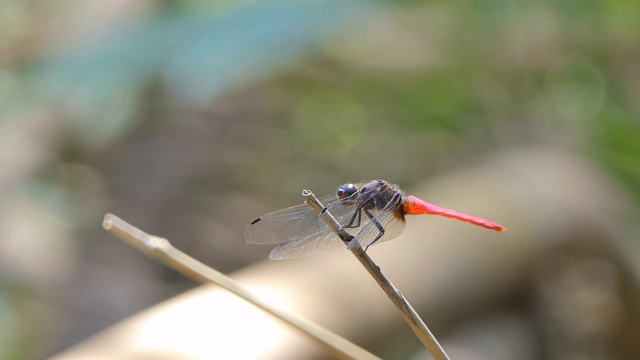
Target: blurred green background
190,118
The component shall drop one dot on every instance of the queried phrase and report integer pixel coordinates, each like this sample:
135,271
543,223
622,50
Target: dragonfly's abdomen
414,206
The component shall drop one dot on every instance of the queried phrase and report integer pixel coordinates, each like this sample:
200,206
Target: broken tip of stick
132,235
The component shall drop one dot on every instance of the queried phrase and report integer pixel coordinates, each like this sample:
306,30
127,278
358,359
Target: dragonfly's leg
377,224
358,214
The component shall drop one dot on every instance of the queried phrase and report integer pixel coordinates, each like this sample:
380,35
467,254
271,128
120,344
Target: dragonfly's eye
346,190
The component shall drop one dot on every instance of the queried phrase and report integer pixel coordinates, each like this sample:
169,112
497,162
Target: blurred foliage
181,112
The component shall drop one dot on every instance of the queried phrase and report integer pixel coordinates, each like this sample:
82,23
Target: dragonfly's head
346,190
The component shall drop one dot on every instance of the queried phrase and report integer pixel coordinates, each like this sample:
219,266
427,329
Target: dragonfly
371,211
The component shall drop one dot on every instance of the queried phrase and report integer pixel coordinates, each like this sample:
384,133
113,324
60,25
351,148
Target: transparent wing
322,238
390,219
297,223
286,224
326,240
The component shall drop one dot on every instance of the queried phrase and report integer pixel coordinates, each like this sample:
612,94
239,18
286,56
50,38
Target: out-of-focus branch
161,249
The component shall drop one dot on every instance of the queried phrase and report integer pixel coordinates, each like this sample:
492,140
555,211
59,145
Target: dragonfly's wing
390,218
326,240
316,238
286,224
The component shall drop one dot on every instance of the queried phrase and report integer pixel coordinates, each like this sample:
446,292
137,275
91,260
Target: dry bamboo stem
161,250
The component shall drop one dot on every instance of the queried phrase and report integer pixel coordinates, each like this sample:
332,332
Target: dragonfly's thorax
375,194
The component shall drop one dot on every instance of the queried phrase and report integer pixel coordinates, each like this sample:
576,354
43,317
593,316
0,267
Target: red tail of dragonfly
414,206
